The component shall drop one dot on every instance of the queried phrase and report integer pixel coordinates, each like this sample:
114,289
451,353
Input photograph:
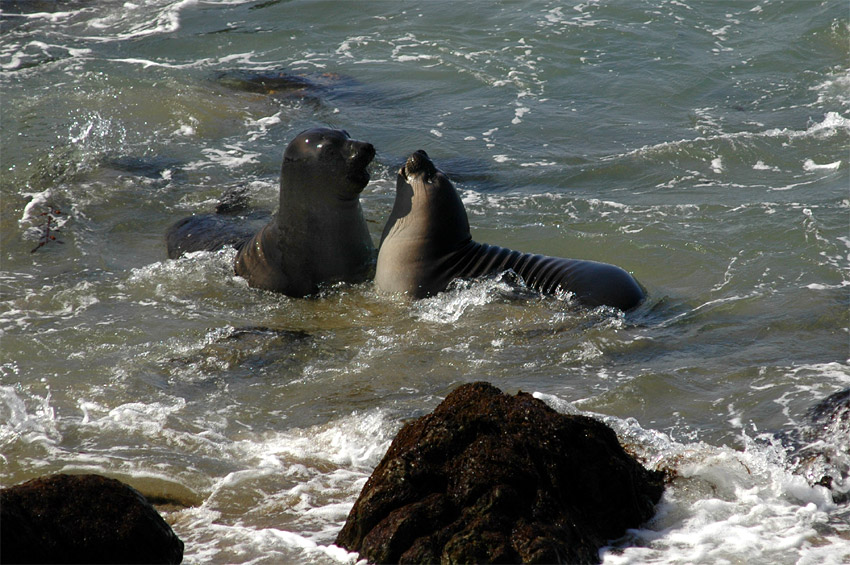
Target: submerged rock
264,82
152,167
233,200
492,478
278,82
82,519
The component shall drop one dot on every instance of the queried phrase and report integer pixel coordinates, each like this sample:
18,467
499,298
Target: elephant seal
317,236
426,243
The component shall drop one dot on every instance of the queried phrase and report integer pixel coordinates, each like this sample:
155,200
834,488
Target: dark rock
82,519
820,450
211,232
491,478
833,409
233,200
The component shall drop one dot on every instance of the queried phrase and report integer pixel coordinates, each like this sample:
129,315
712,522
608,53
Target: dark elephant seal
319,234
426,244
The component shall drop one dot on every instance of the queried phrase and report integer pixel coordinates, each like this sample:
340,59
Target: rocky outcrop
82,519
492,478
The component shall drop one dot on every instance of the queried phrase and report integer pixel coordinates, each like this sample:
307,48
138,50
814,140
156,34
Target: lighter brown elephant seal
426,244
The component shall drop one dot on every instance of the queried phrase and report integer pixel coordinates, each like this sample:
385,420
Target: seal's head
329,158
421,175
430,197
425,195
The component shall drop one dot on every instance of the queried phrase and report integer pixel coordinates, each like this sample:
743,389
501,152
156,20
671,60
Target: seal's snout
419,163
362,153
358,155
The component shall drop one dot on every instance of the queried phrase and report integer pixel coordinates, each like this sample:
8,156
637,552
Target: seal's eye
328,150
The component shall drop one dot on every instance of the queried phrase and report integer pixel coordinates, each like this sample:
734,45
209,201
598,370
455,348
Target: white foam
717,165
832,123
448,307
261,126
810,165
253,545
38,202
720,33
519,113
315,474
834,372
147,63
556,17
725,504
817,286
345,48
231,157
834,89
185,130
357,442
34,425
760,166
38,50
91,135
150,419
166,280
153,20
408,58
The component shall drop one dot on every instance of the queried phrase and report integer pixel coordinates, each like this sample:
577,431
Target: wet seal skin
319,234
426,244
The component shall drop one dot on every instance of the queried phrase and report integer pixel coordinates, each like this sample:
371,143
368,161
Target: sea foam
724,503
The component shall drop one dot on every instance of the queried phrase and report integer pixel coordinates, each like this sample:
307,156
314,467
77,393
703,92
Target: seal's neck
300,185
319,232
427,228
431,217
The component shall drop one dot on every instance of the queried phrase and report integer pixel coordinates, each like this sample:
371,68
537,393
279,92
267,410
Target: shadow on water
153,167
314,89
267,4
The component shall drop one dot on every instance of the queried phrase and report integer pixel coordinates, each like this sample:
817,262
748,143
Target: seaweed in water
49,228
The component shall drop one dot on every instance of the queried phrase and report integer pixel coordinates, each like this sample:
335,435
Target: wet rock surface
493,478
82,519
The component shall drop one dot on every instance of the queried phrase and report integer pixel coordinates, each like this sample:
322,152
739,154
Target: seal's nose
362,153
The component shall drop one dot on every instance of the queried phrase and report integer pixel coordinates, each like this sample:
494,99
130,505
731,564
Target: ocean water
702,146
